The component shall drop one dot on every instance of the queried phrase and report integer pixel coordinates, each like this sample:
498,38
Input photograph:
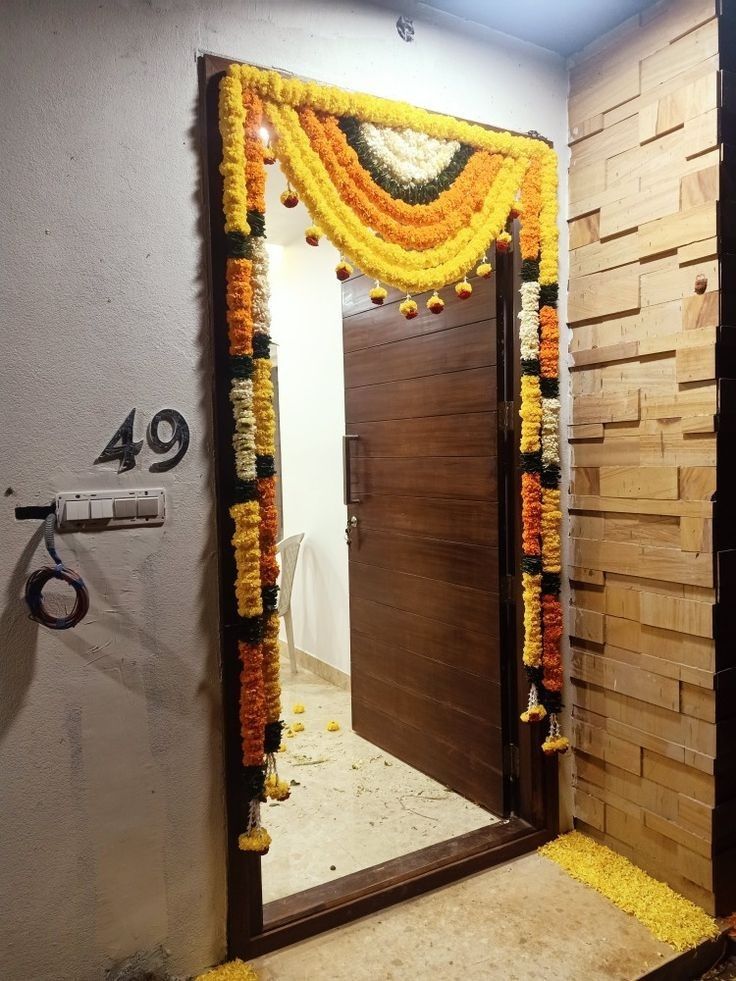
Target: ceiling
564,26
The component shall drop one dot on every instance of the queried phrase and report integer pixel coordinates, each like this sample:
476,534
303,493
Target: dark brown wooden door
421,398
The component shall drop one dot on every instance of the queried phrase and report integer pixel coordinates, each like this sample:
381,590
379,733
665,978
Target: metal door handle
352,523
347,477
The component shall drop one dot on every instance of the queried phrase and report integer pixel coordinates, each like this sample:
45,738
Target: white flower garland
550,432
260,288
244,437
529,321
409,156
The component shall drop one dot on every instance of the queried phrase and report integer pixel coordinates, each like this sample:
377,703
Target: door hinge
511,751
506,416
507,589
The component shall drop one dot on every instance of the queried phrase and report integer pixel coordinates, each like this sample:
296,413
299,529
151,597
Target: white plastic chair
288,550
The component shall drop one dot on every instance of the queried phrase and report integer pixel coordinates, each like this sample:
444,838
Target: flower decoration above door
415,201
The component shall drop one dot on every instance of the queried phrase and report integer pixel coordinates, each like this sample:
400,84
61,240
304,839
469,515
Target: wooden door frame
532,798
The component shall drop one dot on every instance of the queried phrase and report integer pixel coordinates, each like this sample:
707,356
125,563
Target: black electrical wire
38,579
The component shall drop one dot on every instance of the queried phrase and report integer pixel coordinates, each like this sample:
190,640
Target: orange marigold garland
254,509
419,199
539,337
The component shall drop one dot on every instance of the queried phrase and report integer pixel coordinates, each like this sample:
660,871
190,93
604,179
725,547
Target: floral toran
415,200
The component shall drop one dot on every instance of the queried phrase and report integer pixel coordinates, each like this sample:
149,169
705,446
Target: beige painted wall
111,822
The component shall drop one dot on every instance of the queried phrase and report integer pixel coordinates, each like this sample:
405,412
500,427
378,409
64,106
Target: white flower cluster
259,284
529,321
244,438
407,155
550,431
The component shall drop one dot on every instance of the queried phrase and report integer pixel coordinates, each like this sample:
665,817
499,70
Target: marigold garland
232,168
239,298
416,227
247,558
252,703
413,200
382,260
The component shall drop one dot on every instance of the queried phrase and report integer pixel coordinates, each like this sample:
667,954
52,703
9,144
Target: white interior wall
307,325
112,821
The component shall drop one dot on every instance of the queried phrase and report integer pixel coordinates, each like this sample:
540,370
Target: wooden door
421,398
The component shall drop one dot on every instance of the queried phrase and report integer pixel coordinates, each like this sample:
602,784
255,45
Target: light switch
100,510
147,507
77,511
124,507
119,508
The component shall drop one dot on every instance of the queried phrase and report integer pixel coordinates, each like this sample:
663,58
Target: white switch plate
111,509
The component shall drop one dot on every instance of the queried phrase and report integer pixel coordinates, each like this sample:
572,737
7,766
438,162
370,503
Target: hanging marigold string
414,200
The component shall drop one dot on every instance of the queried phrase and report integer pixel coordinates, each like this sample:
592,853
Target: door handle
346,472
352,523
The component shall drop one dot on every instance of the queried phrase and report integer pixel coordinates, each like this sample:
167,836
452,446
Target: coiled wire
38,579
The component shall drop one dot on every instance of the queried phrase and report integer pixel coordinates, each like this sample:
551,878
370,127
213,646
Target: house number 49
124,448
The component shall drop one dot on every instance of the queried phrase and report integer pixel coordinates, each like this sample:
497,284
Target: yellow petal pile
665,913
232,971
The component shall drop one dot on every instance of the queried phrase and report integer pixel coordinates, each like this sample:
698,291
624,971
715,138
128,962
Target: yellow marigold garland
416,227
247,558
419,247
407,270
232,168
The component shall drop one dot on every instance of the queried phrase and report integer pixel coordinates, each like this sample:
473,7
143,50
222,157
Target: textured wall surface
111,826
643,190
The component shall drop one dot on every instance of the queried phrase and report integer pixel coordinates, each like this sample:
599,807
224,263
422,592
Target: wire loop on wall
38,579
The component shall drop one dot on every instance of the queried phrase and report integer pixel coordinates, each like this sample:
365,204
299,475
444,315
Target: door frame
531,776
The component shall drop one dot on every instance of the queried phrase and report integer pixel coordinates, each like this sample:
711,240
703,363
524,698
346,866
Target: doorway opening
397,444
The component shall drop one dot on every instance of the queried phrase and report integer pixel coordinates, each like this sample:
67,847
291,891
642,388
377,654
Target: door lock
352,523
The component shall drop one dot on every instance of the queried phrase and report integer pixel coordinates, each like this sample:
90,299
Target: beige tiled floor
354,806
521,921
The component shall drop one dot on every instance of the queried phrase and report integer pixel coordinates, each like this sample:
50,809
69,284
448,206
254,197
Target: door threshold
323,907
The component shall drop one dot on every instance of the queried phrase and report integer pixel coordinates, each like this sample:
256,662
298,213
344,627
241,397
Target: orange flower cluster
252,703
531,513
413,226
549,342
552,636
531,196
239,306
268,530
255,172
271,668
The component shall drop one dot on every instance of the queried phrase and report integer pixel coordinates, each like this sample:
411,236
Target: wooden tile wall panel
644,187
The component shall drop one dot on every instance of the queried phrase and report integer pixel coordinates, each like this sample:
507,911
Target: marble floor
352,805
526,919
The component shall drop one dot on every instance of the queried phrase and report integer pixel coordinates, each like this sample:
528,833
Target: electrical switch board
111,509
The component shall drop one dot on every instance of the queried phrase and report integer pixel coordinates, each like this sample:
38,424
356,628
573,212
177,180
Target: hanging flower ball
269,157
503,242
378,294
258,840
277,789
515,211
535,713
464,289
485,269
312,235
558,744
289,198
408,308
435,304
343,270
